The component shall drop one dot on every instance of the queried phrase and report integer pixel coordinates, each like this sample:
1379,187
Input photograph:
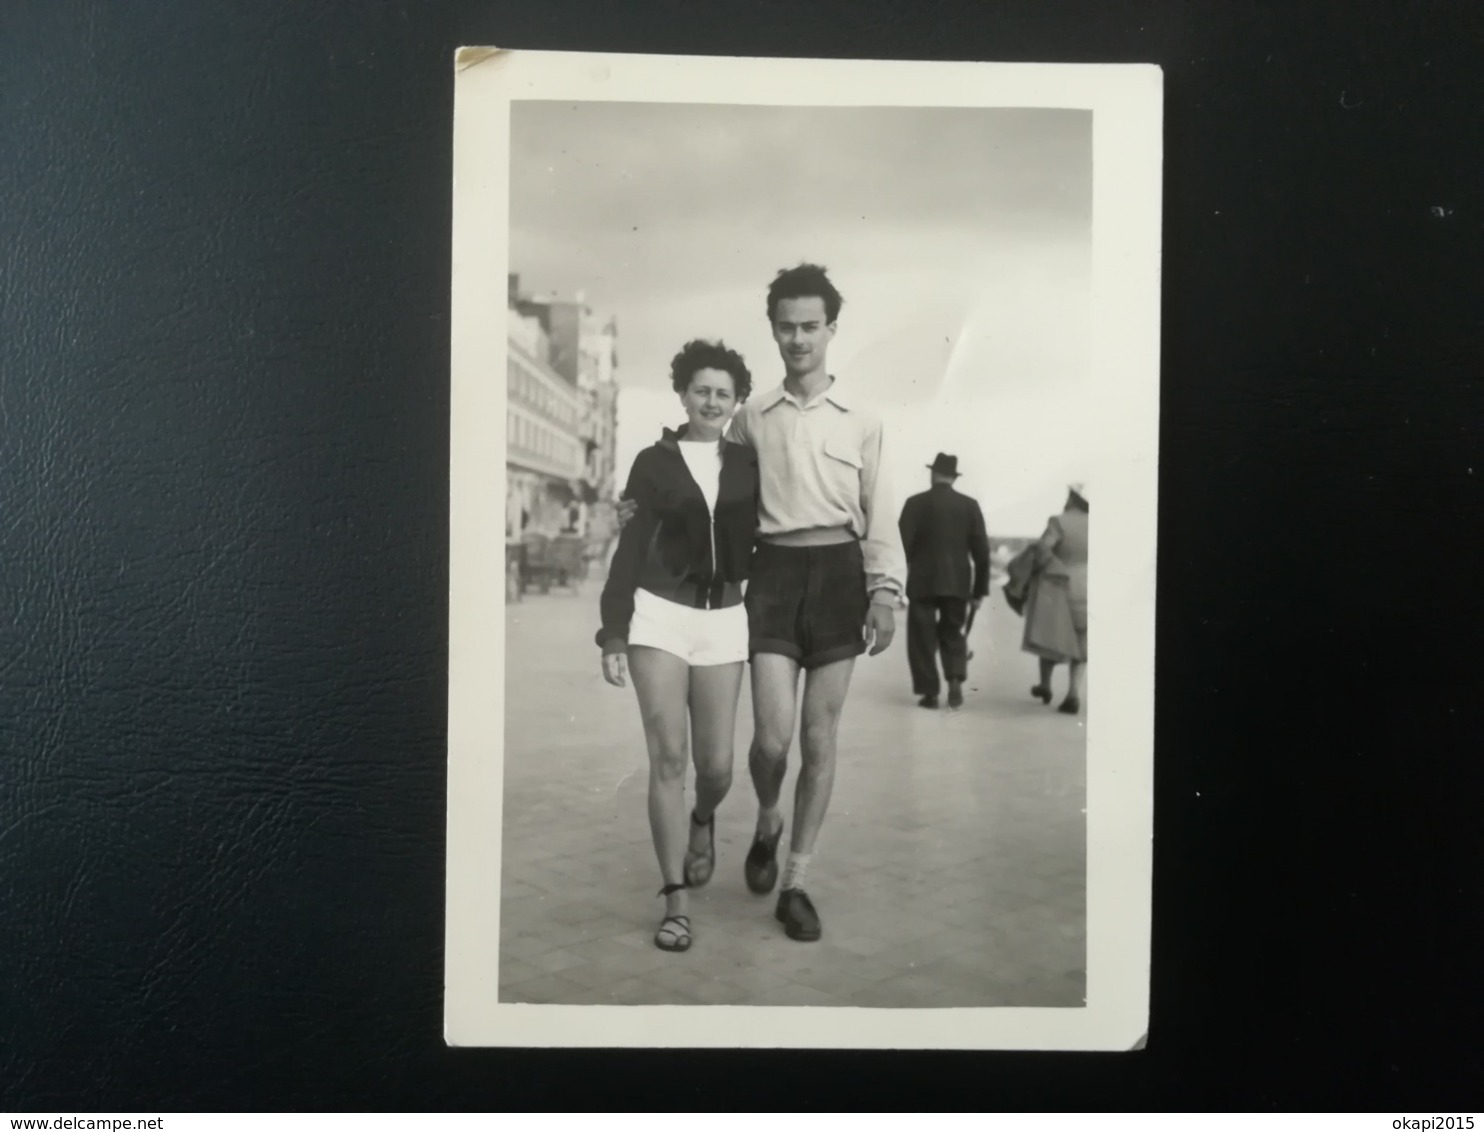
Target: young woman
1056,609
673,616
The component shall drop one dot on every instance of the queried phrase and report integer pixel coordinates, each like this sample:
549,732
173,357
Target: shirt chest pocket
842,463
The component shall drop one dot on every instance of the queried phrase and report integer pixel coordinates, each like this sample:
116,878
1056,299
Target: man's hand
615,668
625,510
881,626
976,602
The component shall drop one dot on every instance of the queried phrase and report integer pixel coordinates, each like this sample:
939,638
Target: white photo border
1127,105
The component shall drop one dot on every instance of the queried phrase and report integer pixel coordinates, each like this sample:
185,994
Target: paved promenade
950,872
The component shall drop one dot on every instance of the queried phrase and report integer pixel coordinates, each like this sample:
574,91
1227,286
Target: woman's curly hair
700,354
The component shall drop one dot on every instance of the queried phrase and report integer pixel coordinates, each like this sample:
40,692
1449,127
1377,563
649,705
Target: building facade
597,378
561,417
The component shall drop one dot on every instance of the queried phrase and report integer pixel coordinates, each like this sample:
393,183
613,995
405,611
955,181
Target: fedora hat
945,465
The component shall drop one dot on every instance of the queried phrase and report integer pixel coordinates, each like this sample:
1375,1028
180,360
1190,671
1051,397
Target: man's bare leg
825,689
824,698
775,680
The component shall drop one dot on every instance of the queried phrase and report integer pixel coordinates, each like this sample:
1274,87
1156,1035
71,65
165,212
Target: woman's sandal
700,866
1042,693
676,938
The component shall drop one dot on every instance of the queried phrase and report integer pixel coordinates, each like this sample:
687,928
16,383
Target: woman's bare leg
714,689
662,684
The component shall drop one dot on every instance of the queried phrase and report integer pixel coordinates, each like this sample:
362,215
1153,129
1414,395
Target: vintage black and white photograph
792,386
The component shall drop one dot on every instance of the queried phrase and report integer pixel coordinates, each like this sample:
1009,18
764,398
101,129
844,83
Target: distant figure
1056,600
943,535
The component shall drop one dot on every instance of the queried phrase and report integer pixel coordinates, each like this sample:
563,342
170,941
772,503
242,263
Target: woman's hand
615,669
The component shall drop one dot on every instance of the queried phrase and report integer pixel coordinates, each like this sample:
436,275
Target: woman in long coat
1056,604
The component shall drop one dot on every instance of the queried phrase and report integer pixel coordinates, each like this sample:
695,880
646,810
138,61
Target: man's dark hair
699,354
807,281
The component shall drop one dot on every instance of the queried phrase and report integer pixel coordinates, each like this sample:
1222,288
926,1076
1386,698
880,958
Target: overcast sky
961,240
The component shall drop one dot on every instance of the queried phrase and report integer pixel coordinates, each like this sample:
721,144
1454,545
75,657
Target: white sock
793,872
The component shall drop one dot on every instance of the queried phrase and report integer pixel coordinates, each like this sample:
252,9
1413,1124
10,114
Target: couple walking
788,492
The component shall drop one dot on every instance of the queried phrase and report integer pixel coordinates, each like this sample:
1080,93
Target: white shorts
699,637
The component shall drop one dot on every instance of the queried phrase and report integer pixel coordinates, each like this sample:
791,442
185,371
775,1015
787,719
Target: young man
943,535
826,579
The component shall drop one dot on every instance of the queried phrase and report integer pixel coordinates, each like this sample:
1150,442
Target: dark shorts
808,602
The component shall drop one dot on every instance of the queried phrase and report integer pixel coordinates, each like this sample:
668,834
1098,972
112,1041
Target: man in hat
947,575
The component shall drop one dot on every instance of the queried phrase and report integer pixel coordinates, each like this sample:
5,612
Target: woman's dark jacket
666,546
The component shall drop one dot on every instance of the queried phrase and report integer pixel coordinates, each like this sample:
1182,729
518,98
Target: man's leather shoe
955,693
797,915
761,867
928,702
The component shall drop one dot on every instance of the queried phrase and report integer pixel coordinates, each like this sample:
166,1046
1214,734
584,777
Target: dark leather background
224,270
